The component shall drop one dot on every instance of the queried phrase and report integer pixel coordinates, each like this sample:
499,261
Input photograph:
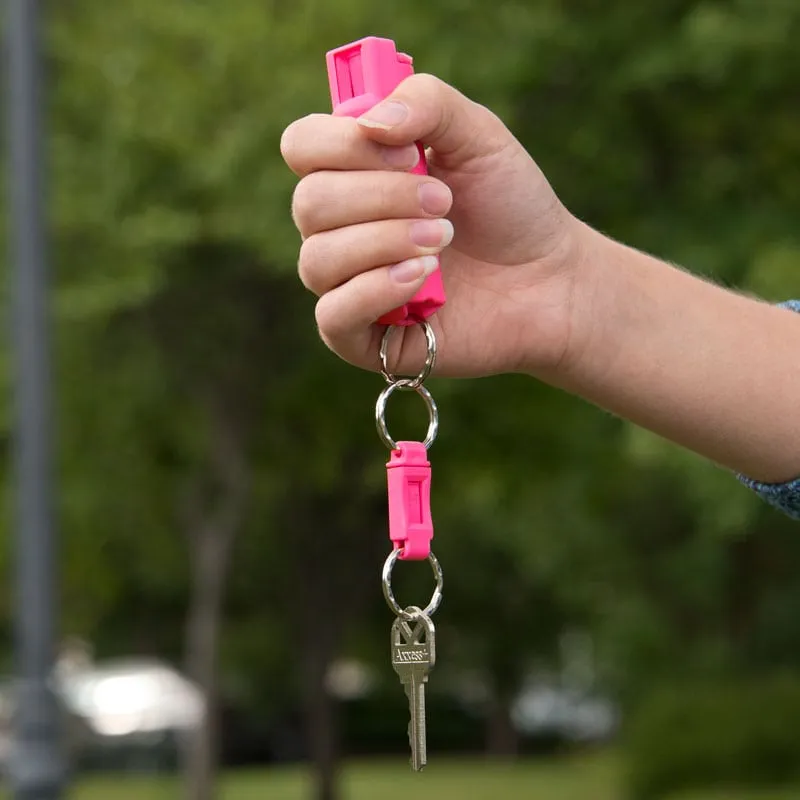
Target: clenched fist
371,231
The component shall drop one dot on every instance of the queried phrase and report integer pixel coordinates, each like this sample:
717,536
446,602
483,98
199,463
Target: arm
530,288
705,367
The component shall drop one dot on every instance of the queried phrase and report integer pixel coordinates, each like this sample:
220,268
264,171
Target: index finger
324,142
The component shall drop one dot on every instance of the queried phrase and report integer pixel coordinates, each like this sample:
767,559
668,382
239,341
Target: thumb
425,109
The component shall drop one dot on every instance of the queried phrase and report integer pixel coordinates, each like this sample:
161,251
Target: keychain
361,74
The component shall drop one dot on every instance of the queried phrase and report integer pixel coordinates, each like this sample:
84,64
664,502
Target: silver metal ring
380,412
412,613
386,577
430,358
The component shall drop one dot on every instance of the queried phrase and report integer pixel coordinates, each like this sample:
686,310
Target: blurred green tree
195,398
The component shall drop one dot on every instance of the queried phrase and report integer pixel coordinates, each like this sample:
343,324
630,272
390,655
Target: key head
413,645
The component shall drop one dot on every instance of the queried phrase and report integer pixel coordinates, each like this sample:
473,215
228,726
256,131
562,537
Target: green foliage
679,113
730,733
671,124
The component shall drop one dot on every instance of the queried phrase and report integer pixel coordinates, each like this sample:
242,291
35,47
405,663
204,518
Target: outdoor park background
620,618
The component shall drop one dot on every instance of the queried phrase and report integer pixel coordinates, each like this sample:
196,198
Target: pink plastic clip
361,74
409,477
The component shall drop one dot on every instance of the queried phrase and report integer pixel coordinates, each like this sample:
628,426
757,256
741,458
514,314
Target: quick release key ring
409,476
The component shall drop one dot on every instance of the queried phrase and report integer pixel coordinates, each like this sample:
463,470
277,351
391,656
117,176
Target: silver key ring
386,578
430,358
380,412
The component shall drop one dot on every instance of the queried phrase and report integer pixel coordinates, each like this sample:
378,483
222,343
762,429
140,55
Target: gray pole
37,771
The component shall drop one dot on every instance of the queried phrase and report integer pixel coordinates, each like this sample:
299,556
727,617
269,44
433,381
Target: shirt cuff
783,496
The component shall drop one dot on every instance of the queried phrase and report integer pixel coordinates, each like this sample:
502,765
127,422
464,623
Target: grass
761,794
595,778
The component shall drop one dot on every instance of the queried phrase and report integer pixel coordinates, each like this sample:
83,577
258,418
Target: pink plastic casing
409,477
361,74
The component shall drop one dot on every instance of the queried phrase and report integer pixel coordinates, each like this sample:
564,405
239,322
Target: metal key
413,657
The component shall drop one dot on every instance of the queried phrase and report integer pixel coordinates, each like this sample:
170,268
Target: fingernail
433,233
384,116
434,198
413,269
406,157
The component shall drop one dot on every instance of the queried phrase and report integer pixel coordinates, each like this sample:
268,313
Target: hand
369,229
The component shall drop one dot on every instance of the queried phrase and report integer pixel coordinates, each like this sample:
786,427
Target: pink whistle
409,477
361,74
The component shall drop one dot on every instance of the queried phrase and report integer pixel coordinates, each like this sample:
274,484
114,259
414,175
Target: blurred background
620,618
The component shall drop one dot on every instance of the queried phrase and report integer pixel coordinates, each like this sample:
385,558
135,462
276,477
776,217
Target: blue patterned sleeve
783,496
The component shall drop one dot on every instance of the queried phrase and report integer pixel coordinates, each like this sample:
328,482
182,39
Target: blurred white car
130,713
544,709
132,698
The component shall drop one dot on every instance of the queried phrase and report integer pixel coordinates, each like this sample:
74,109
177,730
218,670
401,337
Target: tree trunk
322,724
202,646
338,582
502,739
212,512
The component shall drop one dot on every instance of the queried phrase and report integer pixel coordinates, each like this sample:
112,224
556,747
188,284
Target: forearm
702,366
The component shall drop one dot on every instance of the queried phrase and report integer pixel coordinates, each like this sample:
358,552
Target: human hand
371,231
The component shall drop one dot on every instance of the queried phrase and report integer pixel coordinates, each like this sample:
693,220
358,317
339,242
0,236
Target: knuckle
308,264
296,142
429,88
389,195
321,316
385,194
425,82
306,202
326,321
435,98
289,142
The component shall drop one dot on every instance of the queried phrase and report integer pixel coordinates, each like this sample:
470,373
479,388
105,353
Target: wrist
606,307
627,313
587,291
